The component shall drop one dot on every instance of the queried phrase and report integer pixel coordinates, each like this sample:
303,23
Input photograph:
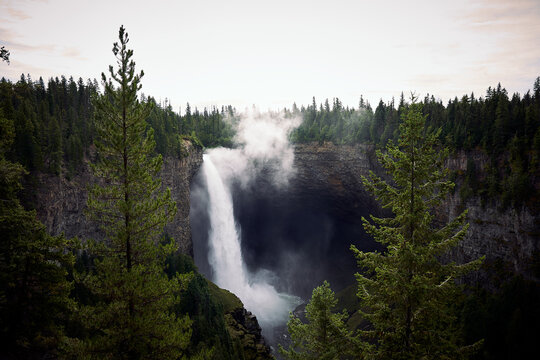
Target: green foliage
33,286
4,54
490,124
325,335
508,319
55,128
340,125
407,292
53,122
203,302
226,299
132,314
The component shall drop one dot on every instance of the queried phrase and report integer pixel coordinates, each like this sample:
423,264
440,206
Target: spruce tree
34,291
325,335
4,54
408,290
131,317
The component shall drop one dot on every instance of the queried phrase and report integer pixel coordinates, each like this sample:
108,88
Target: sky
274,53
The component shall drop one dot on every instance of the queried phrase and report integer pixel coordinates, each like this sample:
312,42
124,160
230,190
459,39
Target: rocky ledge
245,331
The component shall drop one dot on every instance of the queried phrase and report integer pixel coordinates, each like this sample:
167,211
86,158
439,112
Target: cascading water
225,253
225,257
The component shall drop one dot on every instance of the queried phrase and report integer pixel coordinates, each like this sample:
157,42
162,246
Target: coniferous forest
134,296
56,129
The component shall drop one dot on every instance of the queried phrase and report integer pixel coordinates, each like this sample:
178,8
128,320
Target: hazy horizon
272,55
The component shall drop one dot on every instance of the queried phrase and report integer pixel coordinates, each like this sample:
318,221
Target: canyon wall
510,236
61,202
331,175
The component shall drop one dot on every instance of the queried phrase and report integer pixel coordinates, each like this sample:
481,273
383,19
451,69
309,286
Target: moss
227,299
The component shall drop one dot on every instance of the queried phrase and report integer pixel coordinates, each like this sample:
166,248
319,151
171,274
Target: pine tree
4,54
408,291
34,291
132,316
325,335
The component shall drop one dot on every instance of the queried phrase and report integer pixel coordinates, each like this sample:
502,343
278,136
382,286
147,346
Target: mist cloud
262,145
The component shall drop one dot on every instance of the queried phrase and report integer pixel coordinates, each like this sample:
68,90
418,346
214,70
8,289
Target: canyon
301,231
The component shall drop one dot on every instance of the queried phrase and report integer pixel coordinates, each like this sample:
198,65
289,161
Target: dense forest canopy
55,123
54,129
489,122
506,129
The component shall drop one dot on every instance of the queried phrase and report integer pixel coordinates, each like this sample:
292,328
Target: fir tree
4,54
33,286
132,316
407,291
325,335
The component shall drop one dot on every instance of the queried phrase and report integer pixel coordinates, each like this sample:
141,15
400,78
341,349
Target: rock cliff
242,326
510,236
334,172
245,331
60,202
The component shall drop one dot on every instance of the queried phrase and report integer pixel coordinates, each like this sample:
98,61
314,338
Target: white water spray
220,168
270,307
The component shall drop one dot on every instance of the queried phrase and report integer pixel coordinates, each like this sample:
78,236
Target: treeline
54,123
506,129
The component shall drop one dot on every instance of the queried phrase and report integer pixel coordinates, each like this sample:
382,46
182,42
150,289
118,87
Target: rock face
511,236
244,330
60,202
177,174
334,172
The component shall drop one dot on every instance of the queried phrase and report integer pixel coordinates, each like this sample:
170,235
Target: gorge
301,231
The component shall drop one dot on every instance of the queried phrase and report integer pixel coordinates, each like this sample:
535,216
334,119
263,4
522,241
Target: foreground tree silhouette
408,291
325,335
4,54
34,291
131,317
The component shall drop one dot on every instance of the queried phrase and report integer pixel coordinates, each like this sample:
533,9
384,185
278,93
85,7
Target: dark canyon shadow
301,233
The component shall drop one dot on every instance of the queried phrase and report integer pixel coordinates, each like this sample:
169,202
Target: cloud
500,12
513,29
18,14
16,10
73,53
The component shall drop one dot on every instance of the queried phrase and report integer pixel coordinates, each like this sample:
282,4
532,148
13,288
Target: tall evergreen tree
325,335
132,315
407,291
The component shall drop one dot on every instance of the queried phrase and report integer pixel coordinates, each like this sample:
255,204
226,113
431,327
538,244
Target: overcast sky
276,52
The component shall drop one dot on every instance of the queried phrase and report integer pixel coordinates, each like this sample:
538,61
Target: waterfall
225,253
225,257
